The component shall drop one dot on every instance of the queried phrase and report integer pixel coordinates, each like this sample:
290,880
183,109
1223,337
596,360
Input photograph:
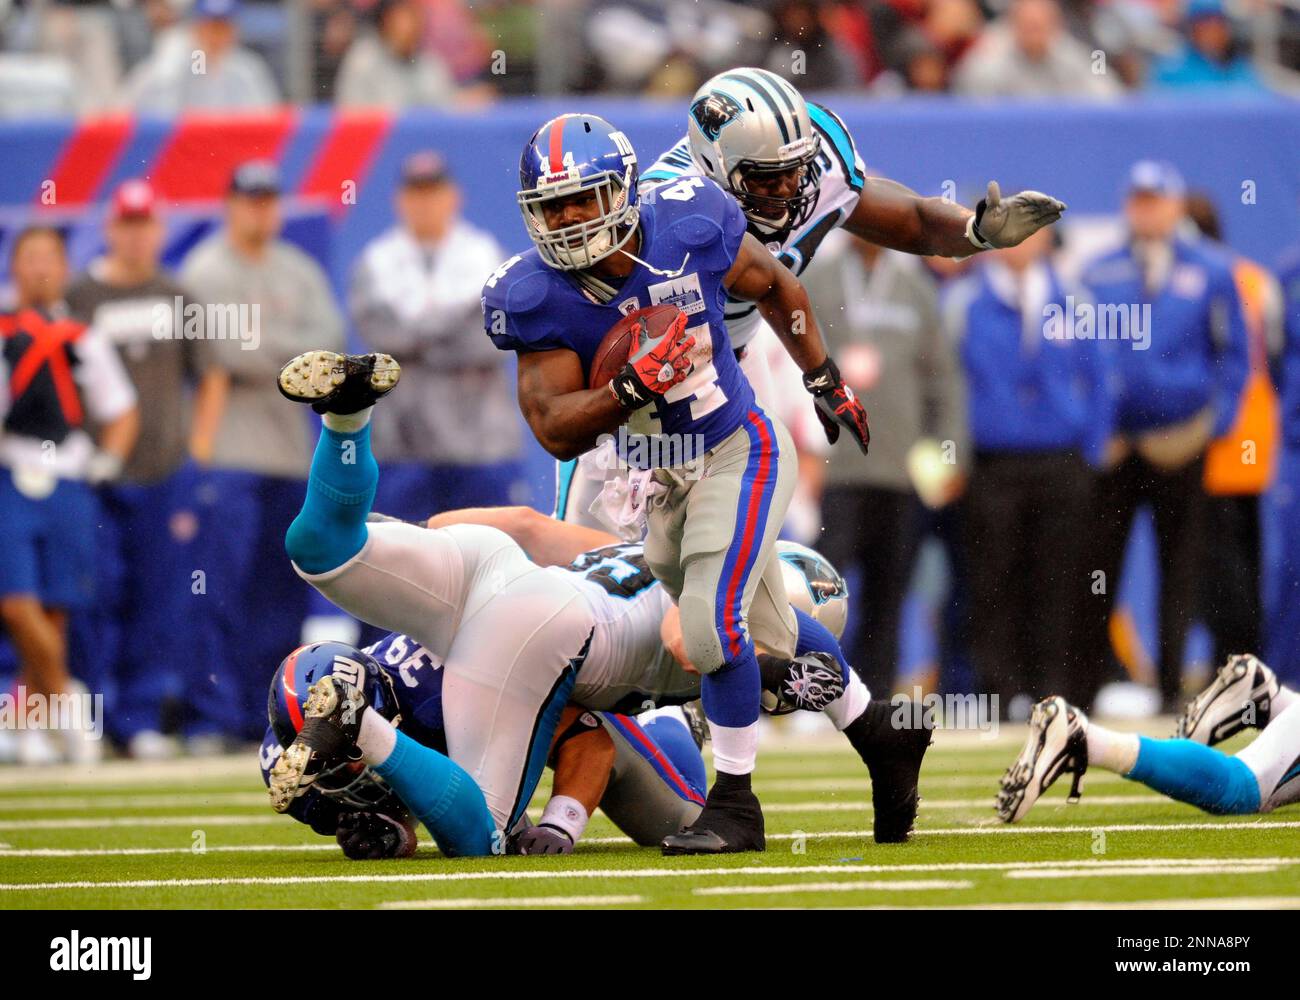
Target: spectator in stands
1209,59
276,302
453,439
1282,641
146,548
59,376
209,69
1028,53
1173,396
389,68
1239,466
879,312
804,51
79,38
1038,416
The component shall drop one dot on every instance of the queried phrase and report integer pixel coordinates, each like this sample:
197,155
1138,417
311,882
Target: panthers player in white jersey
795,171
1245,694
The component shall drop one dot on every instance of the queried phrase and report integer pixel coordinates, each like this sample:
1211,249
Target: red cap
134,199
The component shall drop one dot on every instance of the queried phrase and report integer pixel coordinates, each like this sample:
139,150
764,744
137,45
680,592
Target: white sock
568,814
1284,700
1110,750
735,749
347,423
377,737
851,704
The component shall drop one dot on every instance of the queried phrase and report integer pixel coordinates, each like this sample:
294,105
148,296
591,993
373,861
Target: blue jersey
694,226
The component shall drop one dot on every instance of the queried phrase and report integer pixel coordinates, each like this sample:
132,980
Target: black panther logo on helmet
713,112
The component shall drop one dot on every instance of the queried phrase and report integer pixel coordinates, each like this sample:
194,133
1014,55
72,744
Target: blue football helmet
572,154
351,783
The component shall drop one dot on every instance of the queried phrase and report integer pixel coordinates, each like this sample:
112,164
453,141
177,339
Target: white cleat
1057,745
338,383
1240,697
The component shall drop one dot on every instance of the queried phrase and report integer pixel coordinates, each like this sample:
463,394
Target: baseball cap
134,199
215,10
1156,177
256,177
424,167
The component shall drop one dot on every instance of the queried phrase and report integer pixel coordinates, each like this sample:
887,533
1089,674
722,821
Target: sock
377,737
441,795
1198,775
331,527
567,814
731,696
1110,750
1284,700
347,423
849,706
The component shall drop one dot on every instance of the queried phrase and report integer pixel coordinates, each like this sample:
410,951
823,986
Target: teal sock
1199,775
442,796
331,527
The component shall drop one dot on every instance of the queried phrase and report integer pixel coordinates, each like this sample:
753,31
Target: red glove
837,406
666,365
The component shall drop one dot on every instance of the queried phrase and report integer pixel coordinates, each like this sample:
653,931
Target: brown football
612,353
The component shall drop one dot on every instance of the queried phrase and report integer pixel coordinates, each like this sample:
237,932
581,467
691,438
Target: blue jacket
1289,276
1030,390
1196,351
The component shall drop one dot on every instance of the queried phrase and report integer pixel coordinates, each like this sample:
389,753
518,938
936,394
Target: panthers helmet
814,586
572,154
351,783
746,122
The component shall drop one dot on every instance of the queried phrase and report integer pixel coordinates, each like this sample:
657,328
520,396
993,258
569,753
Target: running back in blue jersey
692,230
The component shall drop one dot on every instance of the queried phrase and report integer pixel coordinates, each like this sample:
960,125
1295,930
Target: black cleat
893,756
327,740
338,383
732,821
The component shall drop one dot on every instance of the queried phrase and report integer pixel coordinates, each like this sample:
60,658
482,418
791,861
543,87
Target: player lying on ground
723,471
1244,694
514,637
646,774
794,170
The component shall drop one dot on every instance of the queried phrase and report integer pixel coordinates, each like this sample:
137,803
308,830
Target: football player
714,504
1244,694
513,637
795,172
647,774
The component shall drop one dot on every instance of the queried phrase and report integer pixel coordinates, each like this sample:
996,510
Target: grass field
201,835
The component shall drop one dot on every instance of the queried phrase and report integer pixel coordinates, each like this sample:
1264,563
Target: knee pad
700,633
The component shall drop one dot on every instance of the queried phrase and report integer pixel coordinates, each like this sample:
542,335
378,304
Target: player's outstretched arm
892,215
566,417
758,276
547,541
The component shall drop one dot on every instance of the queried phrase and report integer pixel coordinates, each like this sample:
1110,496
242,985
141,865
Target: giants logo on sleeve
683,292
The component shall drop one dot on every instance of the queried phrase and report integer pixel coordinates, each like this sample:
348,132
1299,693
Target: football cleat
328,739
1240,697
893,756
693,713
731,822
338,383
1057,745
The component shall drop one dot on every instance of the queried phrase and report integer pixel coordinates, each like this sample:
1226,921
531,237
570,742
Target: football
612,354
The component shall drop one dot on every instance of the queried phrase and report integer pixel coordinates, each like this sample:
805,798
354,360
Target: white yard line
489,902
131,852
1139,869
901,885
610,873
92,822
51,803
1192,903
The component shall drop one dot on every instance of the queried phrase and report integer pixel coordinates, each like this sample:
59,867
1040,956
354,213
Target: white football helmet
748,121
814,586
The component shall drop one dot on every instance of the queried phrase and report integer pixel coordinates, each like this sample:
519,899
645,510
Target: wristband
628,391
567,814
822,379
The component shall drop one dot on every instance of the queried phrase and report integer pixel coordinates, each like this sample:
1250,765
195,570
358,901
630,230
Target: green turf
819,853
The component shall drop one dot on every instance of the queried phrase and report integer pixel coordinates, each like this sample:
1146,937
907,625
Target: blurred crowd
63,57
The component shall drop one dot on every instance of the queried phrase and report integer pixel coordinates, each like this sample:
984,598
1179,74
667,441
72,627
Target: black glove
541,839
373,836
809,682
837,405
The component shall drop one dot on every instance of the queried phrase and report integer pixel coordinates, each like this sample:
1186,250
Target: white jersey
842,178
627,668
